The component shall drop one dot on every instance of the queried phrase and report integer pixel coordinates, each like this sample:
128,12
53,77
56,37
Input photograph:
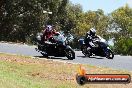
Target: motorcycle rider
90,35
48,32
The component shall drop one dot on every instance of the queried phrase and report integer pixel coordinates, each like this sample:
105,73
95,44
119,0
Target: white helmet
92,31
49,27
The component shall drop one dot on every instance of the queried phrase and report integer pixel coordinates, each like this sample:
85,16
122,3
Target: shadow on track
91,57
82,56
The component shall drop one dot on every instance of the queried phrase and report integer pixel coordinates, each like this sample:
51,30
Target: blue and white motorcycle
101,48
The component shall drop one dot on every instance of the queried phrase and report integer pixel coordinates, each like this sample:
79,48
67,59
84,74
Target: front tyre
85,51
70,54
109,54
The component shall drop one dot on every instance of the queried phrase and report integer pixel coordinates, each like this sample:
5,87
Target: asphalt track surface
119,62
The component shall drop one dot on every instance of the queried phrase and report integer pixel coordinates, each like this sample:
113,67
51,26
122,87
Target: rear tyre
70,54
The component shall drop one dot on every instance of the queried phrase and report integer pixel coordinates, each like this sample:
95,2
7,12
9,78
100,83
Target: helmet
92,31
48,28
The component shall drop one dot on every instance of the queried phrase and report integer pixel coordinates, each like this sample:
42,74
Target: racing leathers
89,40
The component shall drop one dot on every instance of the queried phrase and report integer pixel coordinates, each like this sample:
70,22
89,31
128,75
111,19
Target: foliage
124,46
20,20
122,19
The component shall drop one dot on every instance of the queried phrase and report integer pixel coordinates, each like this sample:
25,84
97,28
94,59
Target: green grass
25,72
13,75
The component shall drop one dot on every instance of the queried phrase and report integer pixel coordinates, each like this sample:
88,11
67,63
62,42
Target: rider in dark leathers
90,35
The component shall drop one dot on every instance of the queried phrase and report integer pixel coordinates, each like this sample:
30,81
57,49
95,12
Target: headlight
108,47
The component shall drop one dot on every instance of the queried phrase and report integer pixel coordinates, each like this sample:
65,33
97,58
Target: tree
20,20
91,19
122,22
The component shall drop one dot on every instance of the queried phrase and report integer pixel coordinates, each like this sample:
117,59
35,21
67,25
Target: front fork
106,51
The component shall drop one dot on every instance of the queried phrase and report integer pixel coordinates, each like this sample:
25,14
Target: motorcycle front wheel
70,54
86,52
109,54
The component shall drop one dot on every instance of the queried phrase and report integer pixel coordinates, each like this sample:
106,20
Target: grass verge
26,72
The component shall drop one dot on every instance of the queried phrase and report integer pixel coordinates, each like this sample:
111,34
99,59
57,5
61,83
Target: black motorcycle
101,48
56,46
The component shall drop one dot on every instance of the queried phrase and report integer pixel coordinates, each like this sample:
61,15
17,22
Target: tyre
86,52
109,54
81,80
70,54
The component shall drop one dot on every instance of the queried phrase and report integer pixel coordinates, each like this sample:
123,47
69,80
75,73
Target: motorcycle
57,46
101,48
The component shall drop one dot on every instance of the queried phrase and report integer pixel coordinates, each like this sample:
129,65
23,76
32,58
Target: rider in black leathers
90,35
